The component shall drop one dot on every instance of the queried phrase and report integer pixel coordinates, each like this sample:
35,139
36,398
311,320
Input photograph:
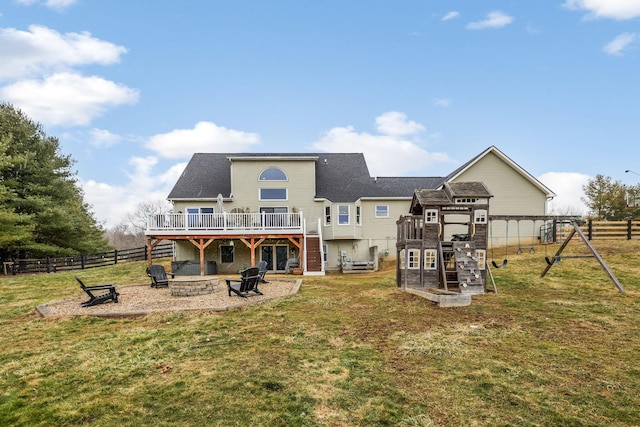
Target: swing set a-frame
594,254
555,260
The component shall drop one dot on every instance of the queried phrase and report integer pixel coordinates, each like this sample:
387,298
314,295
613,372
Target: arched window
273,174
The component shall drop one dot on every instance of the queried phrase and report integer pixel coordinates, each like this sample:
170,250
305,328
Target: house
323,210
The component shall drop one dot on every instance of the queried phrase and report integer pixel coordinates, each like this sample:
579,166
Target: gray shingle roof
340,177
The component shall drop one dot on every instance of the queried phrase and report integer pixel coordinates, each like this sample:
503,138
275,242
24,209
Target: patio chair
262,270
291,264
158,276
248,282
109,294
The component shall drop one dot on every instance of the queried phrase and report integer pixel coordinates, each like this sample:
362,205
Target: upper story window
343,214
431,215
273,174
327,215
480,216
358,215
273,194
382,211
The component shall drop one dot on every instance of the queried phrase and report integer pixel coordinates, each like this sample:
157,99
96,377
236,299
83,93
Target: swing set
521,247
555,259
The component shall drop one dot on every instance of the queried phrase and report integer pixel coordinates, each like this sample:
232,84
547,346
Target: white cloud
451,15
568,187
619,44
442,102
67,99
42,51
103,138
205,137
112,202
495,19
389,154
53,4
396,123
614,9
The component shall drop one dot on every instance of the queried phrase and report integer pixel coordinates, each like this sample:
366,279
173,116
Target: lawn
347,350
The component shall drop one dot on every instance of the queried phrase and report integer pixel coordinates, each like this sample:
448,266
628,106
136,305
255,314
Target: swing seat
552,261
495,264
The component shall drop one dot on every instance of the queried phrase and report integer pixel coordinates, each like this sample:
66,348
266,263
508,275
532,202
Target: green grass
345,350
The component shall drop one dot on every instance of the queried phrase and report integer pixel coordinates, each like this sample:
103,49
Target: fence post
115,256
590,229
82,262
628,229
48,265
146,253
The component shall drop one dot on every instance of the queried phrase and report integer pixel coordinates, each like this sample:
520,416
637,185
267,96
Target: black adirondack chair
106,293
262,270
247,283
158,276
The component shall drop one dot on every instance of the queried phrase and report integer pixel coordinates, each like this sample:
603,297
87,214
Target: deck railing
223,222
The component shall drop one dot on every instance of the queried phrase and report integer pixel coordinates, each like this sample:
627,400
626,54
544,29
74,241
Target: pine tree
43,211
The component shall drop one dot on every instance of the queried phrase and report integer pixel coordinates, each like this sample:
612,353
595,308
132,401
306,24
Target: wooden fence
599,230
81,262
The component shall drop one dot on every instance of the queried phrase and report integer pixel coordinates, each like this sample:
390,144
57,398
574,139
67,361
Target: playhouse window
481,255
414,259
431,215
430,259
480,216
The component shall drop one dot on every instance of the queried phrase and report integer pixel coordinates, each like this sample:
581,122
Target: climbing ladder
460,267
470,280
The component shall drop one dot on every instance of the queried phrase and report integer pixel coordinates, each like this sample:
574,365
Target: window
343,214
481,256
325,250
273,174
226,253
358,216
273,194
466,201
382,211
430,259
414,259
480,216
196,217
327,215
431,215
402,253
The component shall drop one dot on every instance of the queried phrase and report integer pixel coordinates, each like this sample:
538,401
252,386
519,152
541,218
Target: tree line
610,200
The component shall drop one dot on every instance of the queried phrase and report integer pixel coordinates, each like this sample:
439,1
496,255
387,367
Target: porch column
252,245
201,244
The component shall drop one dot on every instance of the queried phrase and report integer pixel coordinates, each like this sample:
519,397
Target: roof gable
494,150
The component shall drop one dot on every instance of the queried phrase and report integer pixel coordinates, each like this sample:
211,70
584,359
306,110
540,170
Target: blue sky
133,88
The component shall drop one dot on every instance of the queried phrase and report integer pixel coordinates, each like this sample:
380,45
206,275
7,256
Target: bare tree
129,233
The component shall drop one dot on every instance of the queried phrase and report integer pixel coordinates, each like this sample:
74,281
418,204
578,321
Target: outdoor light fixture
630,171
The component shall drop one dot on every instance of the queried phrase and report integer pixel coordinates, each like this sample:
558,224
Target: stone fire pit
189,286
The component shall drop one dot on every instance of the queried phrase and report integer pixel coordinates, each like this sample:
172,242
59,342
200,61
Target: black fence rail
81,262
